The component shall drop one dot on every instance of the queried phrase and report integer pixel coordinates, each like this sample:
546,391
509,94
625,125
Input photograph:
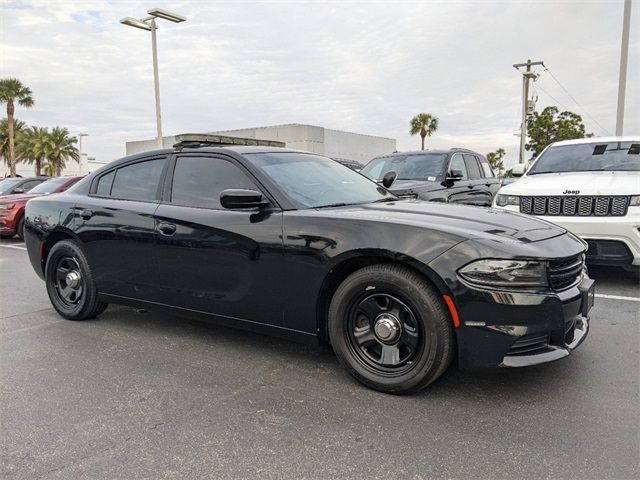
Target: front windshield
312,181
425,166
49,186
589,157
8,184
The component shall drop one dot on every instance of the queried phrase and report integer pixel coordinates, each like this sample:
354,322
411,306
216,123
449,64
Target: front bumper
518,329
603,230
8,221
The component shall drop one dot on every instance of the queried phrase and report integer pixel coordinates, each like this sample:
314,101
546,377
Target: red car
12,207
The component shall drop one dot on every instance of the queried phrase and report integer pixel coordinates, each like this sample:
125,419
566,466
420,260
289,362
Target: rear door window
473,168
138,181
104,184
199,180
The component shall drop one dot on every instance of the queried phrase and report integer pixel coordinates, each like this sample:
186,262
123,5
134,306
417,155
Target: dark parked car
454,176
16,185
292,244
12,206
352,164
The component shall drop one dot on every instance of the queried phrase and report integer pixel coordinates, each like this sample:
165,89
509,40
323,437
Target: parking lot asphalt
144,395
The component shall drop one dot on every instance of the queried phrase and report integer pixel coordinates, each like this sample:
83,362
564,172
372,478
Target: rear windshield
589,157
49,186
427,166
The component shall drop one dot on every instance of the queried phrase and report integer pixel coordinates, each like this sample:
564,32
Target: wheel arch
350,262
54,237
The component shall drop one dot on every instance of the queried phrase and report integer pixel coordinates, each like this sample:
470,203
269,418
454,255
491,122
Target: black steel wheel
390,329
70,285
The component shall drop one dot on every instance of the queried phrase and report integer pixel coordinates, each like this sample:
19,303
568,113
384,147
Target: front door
214,260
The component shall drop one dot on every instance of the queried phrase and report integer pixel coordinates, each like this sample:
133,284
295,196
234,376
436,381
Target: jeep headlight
504,200
506,273
634,201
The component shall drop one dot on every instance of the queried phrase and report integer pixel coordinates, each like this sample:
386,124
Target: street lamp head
172,17
132,22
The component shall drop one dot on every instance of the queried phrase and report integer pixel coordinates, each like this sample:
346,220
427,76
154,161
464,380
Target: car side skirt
222,320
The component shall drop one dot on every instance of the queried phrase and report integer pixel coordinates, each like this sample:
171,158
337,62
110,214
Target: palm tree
425,124
12,90
62,147
34,146
18,127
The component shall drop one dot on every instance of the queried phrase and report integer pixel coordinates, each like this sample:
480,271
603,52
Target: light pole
80,135
624,58
149,24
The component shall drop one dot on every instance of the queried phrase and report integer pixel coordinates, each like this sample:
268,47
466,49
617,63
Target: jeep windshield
425,166
589,157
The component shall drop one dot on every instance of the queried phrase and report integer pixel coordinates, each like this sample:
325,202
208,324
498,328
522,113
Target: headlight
6,206
634,201
506,273
504,200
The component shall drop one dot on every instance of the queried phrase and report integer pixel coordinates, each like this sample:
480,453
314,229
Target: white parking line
17,247
618,297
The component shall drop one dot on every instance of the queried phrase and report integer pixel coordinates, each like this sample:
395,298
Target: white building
86,165
324,141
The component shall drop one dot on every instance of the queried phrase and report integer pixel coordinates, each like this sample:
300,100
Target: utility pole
624,57
527,75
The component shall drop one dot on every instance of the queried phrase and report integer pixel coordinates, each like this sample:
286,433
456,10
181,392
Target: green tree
550,126
61,148
11,91
424,124
495,160
18,127
34,146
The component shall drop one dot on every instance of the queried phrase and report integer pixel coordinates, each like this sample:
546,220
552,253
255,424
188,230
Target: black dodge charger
294,244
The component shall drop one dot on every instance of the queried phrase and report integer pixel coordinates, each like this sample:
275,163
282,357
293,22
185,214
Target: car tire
390,329
70,285
20,228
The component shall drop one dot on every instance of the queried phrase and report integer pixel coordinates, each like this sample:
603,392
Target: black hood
464,221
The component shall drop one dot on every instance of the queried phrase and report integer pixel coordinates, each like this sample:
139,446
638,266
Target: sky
365,67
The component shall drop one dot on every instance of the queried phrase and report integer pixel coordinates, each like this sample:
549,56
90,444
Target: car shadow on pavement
250,347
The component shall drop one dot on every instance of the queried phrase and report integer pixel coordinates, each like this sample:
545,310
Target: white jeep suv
589,186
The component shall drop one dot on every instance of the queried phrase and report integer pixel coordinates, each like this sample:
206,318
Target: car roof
441,151
579,141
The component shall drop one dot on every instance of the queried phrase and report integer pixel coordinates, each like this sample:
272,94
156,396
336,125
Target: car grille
584,206
566,272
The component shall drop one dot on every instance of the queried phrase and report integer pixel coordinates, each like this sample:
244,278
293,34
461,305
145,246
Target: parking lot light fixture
172,17
149,24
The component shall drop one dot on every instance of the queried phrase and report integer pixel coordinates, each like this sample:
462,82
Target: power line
539,87
584,110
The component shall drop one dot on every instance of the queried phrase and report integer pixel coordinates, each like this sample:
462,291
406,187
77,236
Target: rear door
491,182
460,190
215,260
116,224
479,193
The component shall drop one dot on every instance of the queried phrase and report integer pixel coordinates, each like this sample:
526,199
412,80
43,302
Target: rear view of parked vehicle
452,176
591,187
12,206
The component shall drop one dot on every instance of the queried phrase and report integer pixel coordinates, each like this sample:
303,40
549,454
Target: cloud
361,66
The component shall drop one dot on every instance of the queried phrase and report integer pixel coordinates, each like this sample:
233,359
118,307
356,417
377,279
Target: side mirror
240,198
389,178
455,175
518,170
18,190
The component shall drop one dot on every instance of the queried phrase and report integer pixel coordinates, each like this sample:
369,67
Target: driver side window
457,163
198,181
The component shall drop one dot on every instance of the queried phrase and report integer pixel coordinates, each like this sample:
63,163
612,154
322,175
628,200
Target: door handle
86,214
167,228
